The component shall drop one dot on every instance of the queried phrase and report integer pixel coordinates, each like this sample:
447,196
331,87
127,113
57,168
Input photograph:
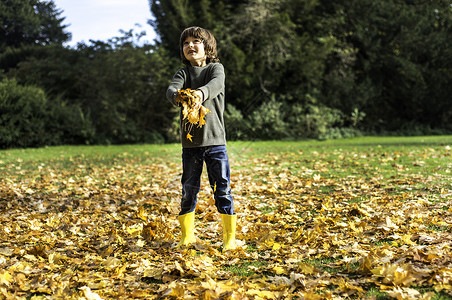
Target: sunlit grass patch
332,265
267,209
373,291
246,268
357,199
439,228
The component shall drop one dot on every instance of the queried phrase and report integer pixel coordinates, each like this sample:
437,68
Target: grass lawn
357,218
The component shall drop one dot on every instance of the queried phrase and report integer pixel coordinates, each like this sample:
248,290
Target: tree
28,119
172,16
52,28
30,22
266,45
394,63
272,50
123,90
117,87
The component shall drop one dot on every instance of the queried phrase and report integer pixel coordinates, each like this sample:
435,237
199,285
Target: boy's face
194,51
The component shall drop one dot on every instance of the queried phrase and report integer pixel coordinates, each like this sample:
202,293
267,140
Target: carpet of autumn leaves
314,222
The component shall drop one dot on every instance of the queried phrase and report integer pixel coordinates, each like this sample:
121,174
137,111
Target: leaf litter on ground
313,223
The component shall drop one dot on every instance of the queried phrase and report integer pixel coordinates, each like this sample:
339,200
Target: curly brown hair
207,38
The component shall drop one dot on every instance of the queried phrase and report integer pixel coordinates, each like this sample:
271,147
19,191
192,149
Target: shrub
68,124
277,120
314,121
236,127
267,121
28,119
22,121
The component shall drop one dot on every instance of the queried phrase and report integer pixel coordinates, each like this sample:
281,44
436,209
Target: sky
102,19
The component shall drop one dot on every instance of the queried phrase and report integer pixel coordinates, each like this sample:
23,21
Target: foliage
315,220
236,127
67,124
23,115
123,89
394,56
193,112
277,119
294,69
29,119
348,55
30,22
267,121
53,68
118,87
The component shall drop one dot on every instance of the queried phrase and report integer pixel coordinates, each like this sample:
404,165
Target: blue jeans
217,162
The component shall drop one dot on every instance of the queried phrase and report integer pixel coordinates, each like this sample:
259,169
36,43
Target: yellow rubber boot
229,226
187,225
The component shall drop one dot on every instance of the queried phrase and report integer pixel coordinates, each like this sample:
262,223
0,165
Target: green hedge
23,115
28,119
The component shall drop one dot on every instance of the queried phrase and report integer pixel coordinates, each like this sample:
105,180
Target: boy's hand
199,94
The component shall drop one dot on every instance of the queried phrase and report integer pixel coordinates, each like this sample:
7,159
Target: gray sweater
210,80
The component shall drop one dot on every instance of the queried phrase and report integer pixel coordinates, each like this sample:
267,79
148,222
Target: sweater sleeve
176,83
216,83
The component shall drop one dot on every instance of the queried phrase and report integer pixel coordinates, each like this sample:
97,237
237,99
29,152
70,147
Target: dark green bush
23,115
236,126
28,119
268,121
277,119
68,124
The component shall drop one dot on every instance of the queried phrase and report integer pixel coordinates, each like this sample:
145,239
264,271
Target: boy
203,73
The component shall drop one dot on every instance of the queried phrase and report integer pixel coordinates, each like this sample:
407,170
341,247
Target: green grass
379,295
84,159
383,242
439,228
356,200
441,296
311,151
360,157
96,154
245,268
267,209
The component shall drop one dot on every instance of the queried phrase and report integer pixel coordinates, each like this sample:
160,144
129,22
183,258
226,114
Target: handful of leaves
192,111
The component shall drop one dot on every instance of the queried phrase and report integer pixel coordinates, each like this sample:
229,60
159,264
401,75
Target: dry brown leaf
192,110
